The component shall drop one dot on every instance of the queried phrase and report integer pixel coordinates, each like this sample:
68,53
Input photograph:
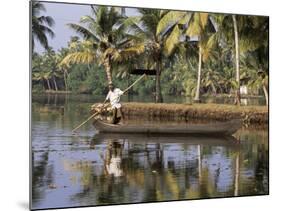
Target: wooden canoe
216,128
189,139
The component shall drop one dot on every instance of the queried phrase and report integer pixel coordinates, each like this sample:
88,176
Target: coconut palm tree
255,64
50,66
63,68
250,40
38,74
106,40
160,35
41,25
255,52
206,30
42,76
198,28
244,34
237,60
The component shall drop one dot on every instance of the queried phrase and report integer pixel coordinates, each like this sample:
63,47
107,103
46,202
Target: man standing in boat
113,96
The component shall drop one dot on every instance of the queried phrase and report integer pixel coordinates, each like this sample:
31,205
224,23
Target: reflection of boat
157,138
216,128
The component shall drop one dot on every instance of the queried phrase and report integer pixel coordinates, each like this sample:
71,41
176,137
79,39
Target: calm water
91,169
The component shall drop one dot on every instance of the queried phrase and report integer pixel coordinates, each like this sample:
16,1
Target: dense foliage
192,53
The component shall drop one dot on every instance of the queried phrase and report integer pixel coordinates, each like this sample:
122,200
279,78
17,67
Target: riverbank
250,115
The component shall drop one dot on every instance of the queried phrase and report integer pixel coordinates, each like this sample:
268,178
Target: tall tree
237,60
250,35
160,36
50,67
38,72
41,25
106,39
198,28
255,52
63,68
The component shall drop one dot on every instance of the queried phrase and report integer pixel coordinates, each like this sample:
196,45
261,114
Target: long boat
214,128
190,139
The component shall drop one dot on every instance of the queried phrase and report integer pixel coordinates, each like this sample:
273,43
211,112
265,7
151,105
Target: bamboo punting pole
90,117
134,83
95,114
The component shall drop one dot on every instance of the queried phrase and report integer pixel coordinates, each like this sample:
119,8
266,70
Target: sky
66,13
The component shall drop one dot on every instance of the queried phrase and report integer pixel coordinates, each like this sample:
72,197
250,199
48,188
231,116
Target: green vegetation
106,41
193,53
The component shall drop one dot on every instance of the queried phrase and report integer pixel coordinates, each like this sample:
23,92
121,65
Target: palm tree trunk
238,97
108,70
65,82
265,93
48,83
130,90
43,85
55,83
197,94
158,94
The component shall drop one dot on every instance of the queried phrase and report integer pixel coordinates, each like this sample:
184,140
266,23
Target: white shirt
114,97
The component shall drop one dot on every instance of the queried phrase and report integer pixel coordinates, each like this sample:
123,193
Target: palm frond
203,19
197,24
132,51
40,25
168,20
84,57
82,31
172,40
46,19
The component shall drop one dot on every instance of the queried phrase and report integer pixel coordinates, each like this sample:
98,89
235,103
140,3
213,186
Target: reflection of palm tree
237,173
154,179
199,164
261,168
39,172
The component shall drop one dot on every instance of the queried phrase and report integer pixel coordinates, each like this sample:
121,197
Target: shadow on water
94,169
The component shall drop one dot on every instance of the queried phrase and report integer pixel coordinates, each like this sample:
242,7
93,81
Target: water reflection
95,169
165,159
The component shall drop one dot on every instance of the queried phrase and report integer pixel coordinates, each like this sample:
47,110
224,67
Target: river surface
89,169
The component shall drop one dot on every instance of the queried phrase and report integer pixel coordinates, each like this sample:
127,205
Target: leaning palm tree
64,69
107,40
42,76
41,25
50,66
